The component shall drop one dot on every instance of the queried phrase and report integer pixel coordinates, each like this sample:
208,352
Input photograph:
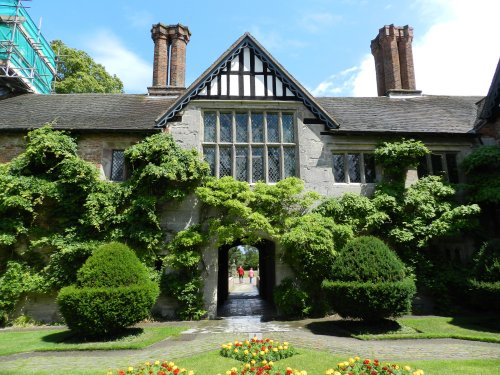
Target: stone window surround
361,153
255,106
107,156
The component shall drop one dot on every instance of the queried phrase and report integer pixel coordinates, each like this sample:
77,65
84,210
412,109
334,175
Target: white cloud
107,49
456,56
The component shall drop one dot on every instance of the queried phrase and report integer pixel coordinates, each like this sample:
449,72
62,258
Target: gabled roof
491,105
82,112
248,41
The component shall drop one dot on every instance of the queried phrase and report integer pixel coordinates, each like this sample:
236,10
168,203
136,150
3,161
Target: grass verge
485,329
62,339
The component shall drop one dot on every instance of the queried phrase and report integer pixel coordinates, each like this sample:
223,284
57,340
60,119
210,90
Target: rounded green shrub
112,265
369,281
112,292
291,300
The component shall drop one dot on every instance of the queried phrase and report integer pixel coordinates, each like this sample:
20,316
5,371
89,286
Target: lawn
62,339
475,328
466,328
314,362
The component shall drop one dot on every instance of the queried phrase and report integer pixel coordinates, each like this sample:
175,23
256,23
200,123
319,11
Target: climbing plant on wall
55,209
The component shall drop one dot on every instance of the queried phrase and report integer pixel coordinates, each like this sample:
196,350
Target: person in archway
251,274
241,273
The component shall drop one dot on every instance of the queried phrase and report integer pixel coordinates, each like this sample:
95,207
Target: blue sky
325,44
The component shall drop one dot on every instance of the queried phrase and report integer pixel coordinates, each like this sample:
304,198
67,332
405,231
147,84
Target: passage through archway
237,296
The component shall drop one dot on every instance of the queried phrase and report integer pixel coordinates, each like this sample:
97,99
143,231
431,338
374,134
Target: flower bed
264,368
356,366
154,368
257,350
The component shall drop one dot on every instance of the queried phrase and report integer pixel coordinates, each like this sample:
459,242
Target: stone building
253,120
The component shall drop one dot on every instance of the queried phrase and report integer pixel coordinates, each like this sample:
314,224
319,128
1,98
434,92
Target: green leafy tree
78,73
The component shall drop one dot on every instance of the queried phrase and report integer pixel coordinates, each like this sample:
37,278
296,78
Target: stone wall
11,145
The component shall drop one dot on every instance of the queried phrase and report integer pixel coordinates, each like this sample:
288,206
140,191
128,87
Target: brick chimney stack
393,55
169,64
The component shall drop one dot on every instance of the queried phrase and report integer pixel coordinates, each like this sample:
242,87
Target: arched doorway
266,271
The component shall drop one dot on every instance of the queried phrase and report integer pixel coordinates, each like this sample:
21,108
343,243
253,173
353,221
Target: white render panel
288,92
204,91
279,87
270,86
246,59
234,86
259,85
214,86
246,85
223,84
235,64
258,65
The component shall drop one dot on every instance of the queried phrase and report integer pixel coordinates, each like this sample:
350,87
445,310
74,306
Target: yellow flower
356,358
275,350
247,342
266,350
407,368
191,372
285,343
234,369
303,372
236,350
285,347
130,369
248,365
171,364
245,352
262,352
157,363
337,373
254,354
228,372
110,372
271,363
264,362
280,347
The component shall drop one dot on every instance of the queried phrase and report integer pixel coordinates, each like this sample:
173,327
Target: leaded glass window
257,127
289,161
210,120
354,168
439,164
242,163
338,168
250,146
369,163
226,127
273,134
209,156
288,131
242,127
257,164
273,164
225,162
118,165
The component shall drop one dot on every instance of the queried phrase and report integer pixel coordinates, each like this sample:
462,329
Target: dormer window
250,146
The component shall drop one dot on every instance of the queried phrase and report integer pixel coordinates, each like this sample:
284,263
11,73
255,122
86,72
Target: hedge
369,300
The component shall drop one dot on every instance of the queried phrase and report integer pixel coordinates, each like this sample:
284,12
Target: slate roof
491,106
424,114
132,113
103,112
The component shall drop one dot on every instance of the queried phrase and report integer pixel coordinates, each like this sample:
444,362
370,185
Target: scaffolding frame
18,70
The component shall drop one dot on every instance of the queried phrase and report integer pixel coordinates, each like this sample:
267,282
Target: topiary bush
369,281
112,292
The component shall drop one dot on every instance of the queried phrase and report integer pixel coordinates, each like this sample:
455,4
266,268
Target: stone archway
267,271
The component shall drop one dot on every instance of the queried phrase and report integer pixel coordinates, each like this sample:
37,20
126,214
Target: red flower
121,372
366,361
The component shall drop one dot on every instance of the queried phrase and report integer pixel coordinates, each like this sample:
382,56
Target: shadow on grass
489,324
68,337
353,328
